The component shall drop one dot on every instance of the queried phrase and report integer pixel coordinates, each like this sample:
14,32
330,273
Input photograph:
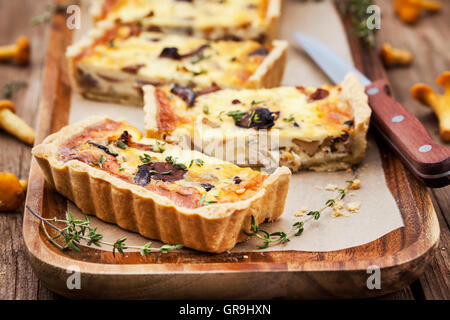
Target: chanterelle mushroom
12,191
409,10
440,103
19,52
395,57
13,124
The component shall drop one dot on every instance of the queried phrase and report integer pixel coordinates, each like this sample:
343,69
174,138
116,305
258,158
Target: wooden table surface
428,40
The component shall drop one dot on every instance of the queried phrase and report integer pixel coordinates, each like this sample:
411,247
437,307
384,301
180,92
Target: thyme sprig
237,115
357,10
100,162
298,227
12,87
266,237
48,14
76,231
200,57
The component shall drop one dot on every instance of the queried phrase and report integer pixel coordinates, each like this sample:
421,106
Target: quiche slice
322,129
210,19
159,190
114,61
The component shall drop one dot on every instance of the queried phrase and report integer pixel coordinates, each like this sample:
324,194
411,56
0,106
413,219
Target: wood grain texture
17,280
428,40
407,135
402,254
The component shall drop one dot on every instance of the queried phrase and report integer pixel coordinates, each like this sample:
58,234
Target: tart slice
210,19
323,129
161,191
113,62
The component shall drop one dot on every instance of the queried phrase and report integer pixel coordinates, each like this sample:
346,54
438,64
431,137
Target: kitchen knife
428,161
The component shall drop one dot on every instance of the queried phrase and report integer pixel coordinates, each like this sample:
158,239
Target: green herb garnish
357,10
121,144
146,158
255,102
236,114
267,237
182,166
199,58
100,162
204,203
160,149
298,227
76,231
48,14
199,162
12,87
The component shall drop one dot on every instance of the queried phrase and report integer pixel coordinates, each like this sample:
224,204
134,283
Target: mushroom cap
392,56
11,192
422,92
23,50
7,104
408,11
444,80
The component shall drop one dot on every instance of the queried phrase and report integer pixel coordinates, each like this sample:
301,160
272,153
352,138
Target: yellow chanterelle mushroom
13,124
12,192
20,52
410,10
440,103
395,57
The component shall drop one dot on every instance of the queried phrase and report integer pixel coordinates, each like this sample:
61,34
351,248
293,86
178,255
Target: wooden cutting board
401,255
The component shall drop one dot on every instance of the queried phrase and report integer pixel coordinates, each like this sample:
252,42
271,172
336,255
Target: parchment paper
378,214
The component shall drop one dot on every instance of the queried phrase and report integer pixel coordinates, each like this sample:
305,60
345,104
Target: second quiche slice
320,128
210,19
113,61
161,191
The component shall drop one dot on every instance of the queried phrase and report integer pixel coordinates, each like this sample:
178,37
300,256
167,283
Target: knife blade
335,67
427,160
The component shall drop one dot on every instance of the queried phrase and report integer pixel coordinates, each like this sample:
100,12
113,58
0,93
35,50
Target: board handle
428,161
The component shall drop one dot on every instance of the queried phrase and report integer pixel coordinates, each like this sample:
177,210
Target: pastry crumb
318,187
355,185
352,194
340,214
301,212
331,187
353,206
338,205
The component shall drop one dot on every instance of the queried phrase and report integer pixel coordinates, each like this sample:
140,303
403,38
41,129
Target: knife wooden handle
429,161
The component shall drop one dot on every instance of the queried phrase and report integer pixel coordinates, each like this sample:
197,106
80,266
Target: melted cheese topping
299,116
123,162
200,14
222,63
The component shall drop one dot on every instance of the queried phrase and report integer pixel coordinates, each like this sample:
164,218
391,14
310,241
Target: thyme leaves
298,227
75,232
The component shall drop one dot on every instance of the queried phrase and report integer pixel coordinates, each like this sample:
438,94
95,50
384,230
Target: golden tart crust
112,62
231,19
213,228
321,129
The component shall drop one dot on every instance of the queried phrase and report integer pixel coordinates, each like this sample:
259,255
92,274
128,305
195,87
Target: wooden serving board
402,254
